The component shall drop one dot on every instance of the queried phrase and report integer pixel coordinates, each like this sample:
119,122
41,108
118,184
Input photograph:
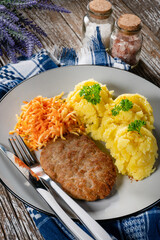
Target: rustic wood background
65,30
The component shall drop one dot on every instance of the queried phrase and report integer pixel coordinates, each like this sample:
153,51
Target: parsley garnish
136,125
124,105
91,93
116,110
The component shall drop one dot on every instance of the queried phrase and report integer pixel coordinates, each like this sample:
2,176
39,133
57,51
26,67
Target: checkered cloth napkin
145,226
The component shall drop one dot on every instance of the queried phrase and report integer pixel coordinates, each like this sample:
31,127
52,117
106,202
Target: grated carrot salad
43,119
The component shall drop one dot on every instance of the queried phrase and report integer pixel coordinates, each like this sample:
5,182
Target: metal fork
22,152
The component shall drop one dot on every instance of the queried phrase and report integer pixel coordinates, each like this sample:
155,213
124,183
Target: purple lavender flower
5,36
9,24
2,8
1,53
8,14
19,35
31,25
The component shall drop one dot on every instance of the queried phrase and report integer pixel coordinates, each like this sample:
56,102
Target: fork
21,151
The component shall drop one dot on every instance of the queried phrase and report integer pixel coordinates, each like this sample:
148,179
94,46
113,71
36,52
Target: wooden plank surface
15,221
65,30
149,12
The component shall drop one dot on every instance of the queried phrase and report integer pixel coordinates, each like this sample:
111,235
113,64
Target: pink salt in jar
126,39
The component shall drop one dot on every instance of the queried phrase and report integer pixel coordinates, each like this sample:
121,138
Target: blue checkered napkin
12,74
145,226
93,52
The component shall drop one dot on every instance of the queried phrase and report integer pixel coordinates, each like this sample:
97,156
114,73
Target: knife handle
77,232
95,229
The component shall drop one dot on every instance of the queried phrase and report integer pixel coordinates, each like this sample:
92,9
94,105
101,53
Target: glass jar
126,39
99,14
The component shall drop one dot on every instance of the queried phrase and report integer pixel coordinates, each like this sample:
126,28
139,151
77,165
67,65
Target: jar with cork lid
126,39
99,14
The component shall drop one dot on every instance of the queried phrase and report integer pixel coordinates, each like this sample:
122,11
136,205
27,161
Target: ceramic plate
128,197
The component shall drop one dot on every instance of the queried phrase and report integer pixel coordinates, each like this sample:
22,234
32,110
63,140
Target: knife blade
34,180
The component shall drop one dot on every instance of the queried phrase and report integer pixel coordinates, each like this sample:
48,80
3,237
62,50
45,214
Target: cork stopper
129,22
100,6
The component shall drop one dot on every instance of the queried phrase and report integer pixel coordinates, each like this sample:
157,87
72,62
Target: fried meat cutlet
82,169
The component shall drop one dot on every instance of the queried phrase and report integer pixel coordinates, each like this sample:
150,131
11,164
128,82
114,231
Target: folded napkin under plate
145,226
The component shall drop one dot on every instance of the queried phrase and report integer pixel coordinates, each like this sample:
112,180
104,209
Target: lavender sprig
19,35
5,36
19,4
26,22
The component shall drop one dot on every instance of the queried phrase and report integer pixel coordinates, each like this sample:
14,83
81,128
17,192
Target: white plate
127,197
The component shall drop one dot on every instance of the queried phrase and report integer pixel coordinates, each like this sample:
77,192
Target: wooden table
65,30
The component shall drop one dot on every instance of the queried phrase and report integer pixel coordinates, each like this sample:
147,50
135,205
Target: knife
34,180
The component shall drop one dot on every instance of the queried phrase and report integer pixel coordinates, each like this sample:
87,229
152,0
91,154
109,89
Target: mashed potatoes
91,115
141,110
134,153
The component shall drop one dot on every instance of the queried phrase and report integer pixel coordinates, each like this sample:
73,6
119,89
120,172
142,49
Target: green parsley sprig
91,93
124,105
136,125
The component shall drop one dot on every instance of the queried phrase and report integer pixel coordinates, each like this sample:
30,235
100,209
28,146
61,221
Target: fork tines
21,150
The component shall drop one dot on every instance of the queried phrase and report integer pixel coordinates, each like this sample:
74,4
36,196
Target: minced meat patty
82,169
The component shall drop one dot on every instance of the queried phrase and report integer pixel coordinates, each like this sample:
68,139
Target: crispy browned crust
82,169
